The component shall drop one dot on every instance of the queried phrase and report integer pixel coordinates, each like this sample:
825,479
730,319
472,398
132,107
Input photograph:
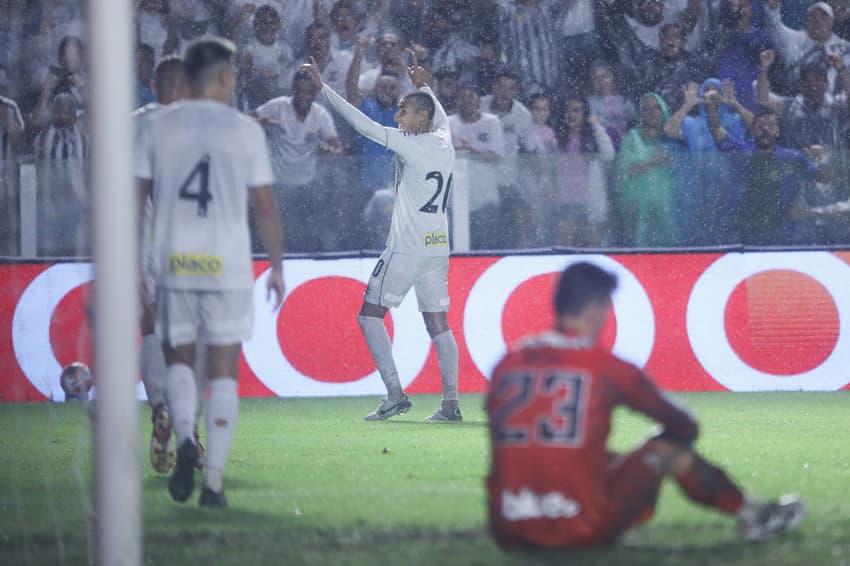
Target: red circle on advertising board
70,336
529,310
318,331
781,322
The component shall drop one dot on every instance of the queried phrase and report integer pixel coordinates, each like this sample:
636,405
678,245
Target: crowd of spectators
577,123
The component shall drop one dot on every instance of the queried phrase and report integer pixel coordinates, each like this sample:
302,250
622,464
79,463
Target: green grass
310,483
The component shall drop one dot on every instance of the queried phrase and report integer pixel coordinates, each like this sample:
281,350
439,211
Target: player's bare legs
444,342
152,362
709,485
371,320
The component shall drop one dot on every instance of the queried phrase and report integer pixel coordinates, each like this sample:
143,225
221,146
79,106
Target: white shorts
396,273
217,318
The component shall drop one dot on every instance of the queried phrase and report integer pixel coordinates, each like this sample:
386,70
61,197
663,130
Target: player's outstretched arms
359,121
271,234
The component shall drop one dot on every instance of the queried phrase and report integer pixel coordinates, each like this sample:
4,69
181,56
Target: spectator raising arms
703,175
773,180
298,130
376,162
799,48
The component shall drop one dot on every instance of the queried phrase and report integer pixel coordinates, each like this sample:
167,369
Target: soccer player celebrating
553,481
197,159
417,252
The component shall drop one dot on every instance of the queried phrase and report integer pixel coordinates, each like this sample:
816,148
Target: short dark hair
266,11
168,70
764,111
505,72
65,42
582,284
422,102
204,54
316,26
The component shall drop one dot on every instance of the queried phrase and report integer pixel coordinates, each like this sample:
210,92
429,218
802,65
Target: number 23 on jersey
545,407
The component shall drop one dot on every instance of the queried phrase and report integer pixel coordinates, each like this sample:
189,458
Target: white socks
382,352
222,410
447,355
181,393
152,362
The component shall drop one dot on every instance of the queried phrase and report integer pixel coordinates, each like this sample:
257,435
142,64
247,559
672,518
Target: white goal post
117,462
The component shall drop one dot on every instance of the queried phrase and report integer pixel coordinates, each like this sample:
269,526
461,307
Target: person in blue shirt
769,202
381,105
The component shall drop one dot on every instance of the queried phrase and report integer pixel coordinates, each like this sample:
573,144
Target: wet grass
310,483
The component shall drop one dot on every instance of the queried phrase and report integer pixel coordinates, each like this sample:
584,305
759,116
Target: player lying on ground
417,253
553,481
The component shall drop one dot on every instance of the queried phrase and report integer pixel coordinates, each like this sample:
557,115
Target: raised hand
364,42
691,94
418,75
312,69
766,59
728,96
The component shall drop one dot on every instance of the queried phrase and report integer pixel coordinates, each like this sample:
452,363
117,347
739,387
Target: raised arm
419,77
359,121
766,59
729,99
673,127
788,41
352,90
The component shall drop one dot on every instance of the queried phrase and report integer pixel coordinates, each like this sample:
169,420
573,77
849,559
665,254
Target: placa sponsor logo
526,505
436,239
191,264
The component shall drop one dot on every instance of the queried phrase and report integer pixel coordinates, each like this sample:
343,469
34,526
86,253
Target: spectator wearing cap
800,48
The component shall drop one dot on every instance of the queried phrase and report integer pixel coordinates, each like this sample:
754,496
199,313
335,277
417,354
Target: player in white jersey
199,160
169,85
417,253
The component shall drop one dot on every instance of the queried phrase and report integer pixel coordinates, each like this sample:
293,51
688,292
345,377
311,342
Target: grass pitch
309,482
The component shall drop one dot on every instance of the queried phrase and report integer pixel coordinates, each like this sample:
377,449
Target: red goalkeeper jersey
550,404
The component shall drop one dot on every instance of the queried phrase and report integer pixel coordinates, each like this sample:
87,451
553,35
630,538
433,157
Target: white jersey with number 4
423,178
202,157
